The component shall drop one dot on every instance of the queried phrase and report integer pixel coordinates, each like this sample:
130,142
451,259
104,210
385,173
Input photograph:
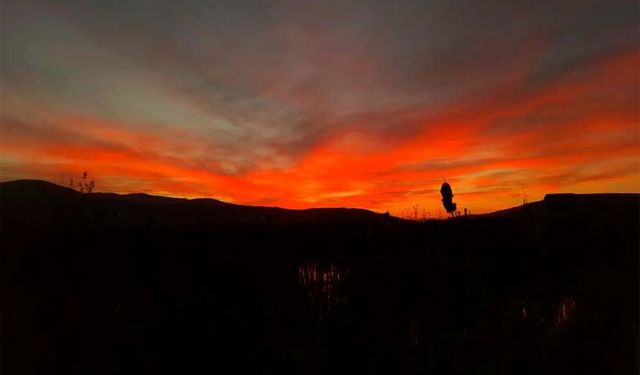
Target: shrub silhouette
447,198
83,185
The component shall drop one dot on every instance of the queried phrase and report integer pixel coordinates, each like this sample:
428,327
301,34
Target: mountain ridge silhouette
38,192
560,203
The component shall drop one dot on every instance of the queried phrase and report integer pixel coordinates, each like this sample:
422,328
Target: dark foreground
106,284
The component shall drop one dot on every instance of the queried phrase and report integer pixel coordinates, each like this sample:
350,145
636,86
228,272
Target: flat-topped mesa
565,197
556,196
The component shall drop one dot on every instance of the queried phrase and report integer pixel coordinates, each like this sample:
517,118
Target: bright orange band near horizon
579,134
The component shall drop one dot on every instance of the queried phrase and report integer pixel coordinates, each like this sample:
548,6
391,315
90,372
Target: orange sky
298,143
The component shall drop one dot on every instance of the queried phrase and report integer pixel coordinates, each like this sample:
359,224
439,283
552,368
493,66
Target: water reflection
565,310
524,311
321,285
558,313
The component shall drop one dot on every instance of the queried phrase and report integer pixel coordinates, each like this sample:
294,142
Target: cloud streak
324,105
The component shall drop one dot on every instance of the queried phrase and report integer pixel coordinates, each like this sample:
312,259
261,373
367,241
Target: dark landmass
131,209
106,283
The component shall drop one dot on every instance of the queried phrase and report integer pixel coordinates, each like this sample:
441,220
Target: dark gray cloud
267,80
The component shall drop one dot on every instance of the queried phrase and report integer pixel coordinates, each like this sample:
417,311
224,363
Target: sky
301,104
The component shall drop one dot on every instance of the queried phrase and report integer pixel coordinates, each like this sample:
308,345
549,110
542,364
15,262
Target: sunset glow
326,105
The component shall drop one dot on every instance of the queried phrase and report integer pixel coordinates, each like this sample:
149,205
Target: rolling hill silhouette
36,199
30,199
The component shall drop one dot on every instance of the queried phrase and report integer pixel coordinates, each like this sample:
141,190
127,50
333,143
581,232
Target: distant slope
43,202
611,207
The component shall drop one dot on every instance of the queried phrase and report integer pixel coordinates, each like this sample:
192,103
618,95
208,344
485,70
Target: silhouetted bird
447,198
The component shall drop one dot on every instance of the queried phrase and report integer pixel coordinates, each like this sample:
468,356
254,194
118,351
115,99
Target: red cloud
578,133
